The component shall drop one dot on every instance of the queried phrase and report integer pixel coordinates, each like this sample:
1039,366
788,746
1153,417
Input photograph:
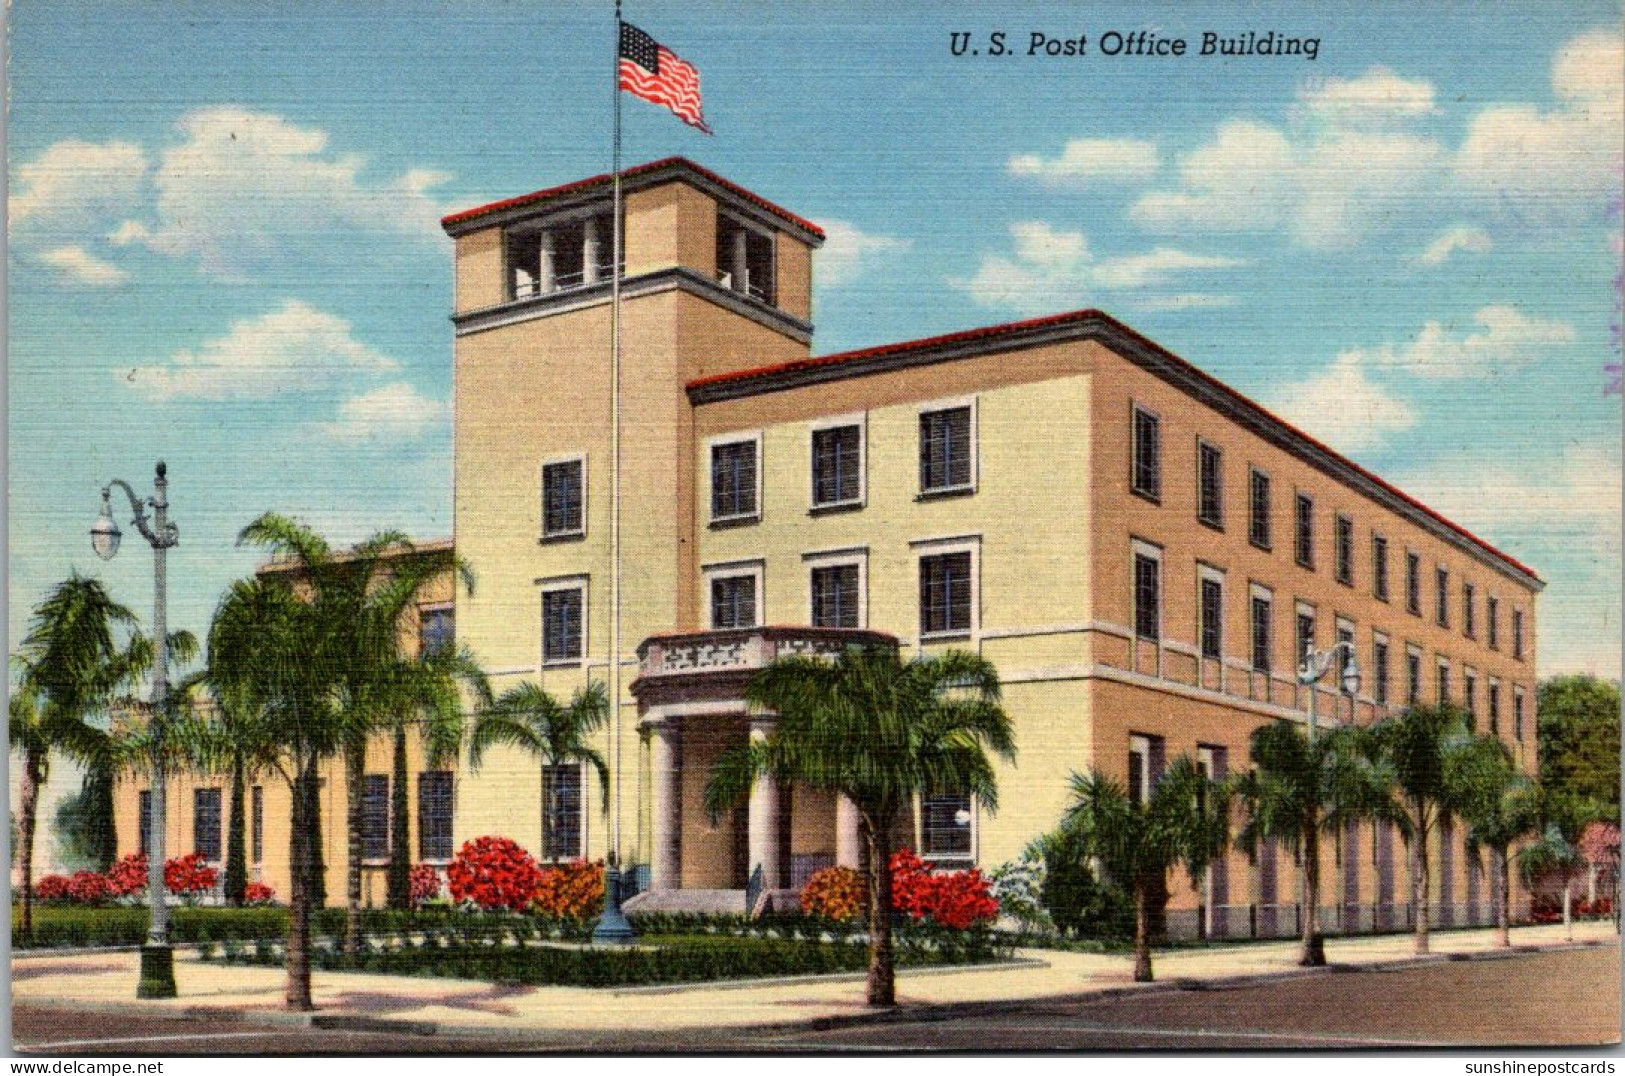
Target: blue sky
224,249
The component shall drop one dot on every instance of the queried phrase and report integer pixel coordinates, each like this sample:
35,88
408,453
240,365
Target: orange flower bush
835,893
569,891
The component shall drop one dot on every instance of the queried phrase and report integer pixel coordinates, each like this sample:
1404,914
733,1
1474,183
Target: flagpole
612,927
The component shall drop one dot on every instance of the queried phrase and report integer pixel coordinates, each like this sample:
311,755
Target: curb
831,977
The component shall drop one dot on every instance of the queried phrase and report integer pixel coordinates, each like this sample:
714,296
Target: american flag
655,73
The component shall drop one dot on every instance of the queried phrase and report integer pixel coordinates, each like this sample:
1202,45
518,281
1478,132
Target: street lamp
157,958
1316,663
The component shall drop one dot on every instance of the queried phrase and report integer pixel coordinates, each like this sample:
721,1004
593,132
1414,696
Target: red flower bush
128,876
52,887
955,899
189,876
570,890
258,893
835,893
425,882
493,873
88,887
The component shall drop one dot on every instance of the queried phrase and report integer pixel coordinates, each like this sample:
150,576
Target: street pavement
1242,997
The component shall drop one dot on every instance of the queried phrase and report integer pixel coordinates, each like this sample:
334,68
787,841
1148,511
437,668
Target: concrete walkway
105,982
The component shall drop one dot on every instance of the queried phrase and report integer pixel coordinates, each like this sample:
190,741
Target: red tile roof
995,332
538,197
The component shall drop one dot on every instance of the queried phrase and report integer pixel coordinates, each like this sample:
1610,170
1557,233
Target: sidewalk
105,982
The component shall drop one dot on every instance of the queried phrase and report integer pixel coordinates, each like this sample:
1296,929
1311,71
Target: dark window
1517,715
1379,566
434,815
945,825
1469,699
256,825
733,480
1147,596
1441,597
1306,635
945,594
1492,613
835,455
1444,685
1413,678
562,625
1209,485
1345,654
835,596
375,816
945,450
1304,534
745,259
1147,468
1413,583
206,823
145,824
1495,709
1517,634
1379,672
1212,618
562,499
437,630
561,809
1469,622
1145,754
1261,634
1258,528
733,602
1345,550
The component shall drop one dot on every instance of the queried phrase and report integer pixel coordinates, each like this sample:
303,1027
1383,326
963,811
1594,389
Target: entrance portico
691,704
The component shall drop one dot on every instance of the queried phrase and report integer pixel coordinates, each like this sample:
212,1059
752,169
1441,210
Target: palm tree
1500,806
1418,745
1553,854
1185,820
1299,789
880,732
530,719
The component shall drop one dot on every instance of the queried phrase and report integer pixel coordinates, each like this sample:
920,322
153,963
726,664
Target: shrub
1018,886
954,899
493,873
51,887
569,891
128,877
258,894
839,893
1079,903
88,887
425,883
189,876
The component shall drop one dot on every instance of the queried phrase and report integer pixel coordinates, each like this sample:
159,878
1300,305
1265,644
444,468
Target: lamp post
1315,665
157,958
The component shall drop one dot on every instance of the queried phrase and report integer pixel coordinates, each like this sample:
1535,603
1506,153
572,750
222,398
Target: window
144,812
745,259
1443,693
1146,471
1495,708
1469,697
1258,524
1517,714
1345,550
206,823
1260,630
1517,634
734,477
837,461
1144,766
1304,545
1209,485
1441,597
1212,612
1469,626
1413,676
1147,592
945,594
945,826
256,824
375,817
1379,669
561,812
945,450
733,601
563,623
563,498
1306,632
564,255
437,629
1413,583
434,815
1379,567
1492,614
836,593
1345,649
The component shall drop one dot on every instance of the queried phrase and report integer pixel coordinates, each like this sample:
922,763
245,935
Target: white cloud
1054,269
1469,240
1503,341
1086,159
1238,182
243,188
1378,96
78,266
1342,406
848,252
394,411
72,182
293,348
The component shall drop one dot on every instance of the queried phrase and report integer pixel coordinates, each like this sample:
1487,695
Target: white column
544,278
666,814
848,842
764,816
589,251
741,262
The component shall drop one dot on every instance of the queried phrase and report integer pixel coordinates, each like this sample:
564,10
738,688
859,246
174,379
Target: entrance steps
709,901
